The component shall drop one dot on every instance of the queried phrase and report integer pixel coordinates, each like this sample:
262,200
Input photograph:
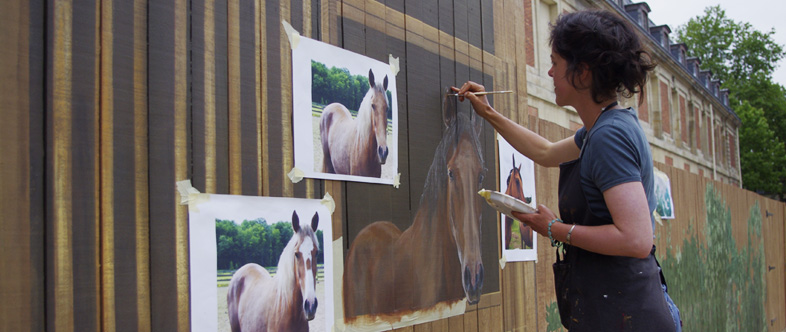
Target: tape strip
185,189
295,175
329,202
502,262
292,34
393,64
397,180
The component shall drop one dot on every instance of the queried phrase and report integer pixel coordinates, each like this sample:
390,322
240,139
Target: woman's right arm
530,144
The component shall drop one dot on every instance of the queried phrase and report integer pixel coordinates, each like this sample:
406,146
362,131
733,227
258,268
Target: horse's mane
435,180
284,273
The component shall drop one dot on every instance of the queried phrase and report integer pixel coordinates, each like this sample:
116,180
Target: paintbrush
483,93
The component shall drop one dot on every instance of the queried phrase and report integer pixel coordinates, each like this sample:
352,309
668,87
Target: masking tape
502,262
328,202
295,175
195,199
185,189
397,180
393,64
294,36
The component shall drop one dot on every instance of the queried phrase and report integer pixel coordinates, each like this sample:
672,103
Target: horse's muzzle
473,287
382,152
310,308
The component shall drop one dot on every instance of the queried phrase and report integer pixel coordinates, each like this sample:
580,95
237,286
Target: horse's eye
481,177
297,255
450,174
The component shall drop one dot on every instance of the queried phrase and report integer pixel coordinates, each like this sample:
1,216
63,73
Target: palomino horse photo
516,189
258,302
437,260
356,146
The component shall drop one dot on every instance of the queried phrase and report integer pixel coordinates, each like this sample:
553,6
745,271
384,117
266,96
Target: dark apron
607,293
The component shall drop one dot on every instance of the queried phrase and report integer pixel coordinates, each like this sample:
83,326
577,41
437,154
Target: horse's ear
448,109
295,222
477,124
385,83
371,78
315,222
513,155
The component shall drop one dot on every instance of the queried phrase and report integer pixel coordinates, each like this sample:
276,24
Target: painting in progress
260,264
517,179
433,268
345,114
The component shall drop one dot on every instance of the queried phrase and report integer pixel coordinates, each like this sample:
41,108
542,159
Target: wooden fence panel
22,199
118,100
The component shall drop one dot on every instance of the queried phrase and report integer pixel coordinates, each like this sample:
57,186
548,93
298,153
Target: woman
606,179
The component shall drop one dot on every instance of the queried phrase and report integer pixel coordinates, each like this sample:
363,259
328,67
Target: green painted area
718,285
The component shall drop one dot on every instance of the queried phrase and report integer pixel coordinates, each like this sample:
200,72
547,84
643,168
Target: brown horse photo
356,146
437,260
515,189
257,302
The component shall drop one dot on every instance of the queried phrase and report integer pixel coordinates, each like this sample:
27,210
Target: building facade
684,112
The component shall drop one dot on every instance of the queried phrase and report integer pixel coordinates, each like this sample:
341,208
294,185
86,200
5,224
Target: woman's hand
479,103
539,221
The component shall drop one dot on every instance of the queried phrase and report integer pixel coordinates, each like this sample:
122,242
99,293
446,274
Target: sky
763,15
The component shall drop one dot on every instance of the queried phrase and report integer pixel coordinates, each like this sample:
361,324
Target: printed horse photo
516,190
390,273
258,302
356,146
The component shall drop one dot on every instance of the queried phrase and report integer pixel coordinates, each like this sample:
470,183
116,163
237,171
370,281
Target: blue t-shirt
617,152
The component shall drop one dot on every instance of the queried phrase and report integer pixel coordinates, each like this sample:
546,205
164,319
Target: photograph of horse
356,146
437,260
286,302
515,189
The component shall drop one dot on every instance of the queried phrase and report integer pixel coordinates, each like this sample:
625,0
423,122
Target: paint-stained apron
607,293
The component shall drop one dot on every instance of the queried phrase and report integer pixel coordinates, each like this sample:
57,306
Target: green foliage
720,285
553,319
744,59
762,155
337,85
254,241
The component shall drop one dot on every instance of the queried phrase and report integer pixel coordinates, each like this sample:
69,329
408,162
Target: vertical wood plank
168,163
21,145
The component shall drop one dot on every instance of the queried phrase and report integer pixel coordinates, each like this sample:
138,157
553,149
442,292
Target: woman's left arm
630,234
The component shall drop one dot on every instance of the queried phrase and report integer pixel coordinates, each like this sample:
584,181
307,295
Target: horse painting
516,189
437,260
258,302
356,146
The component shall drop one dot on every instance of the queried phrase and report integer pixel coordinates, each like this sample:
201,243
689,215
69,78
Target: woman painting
606,195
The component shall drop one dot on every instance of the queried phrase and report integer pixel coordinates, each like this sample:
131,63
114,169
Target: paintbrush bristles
483,93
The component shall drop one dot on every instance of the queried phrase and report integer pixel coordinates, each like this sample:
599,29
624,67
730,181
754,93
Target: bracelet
553,242
567,240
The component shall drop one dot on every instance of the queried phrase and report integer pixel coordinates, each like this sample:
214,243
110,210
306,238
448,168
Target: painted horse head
305,262
515,184
454,179
376,101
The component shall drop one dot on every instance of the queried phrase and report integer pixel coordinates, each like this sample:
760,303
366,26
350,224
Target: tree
744,60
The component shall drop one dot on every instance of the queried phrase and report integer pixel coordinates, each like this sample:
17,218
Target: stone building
684,112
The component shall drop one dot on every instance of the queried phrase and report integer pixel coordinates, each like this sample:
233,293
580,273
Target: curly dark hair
606,45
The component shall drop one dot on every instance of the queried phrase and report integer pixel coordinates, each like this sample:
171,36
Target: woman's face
562,87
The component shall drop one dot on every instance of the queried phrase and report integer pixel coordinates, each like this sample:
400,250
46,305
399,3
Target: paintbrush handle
485,93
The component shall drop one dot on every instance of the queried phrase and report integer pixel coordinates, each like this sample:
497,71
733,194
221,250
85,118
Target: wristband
553,242
567,240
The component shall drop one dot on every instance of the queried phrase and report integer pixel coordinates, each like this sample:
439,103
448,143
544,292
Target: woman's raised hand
479,103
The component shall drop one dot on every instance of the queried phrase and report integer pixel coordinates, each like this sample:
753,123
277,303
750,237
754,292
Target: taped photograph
517,179
345,114
260,264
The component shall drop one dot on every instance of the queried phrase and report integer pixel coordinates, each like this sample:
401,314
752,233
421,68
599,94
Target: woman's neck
590,112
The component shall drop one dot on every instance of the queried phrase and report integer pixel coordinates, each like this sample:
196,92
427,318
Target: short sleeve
613,158
579,137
